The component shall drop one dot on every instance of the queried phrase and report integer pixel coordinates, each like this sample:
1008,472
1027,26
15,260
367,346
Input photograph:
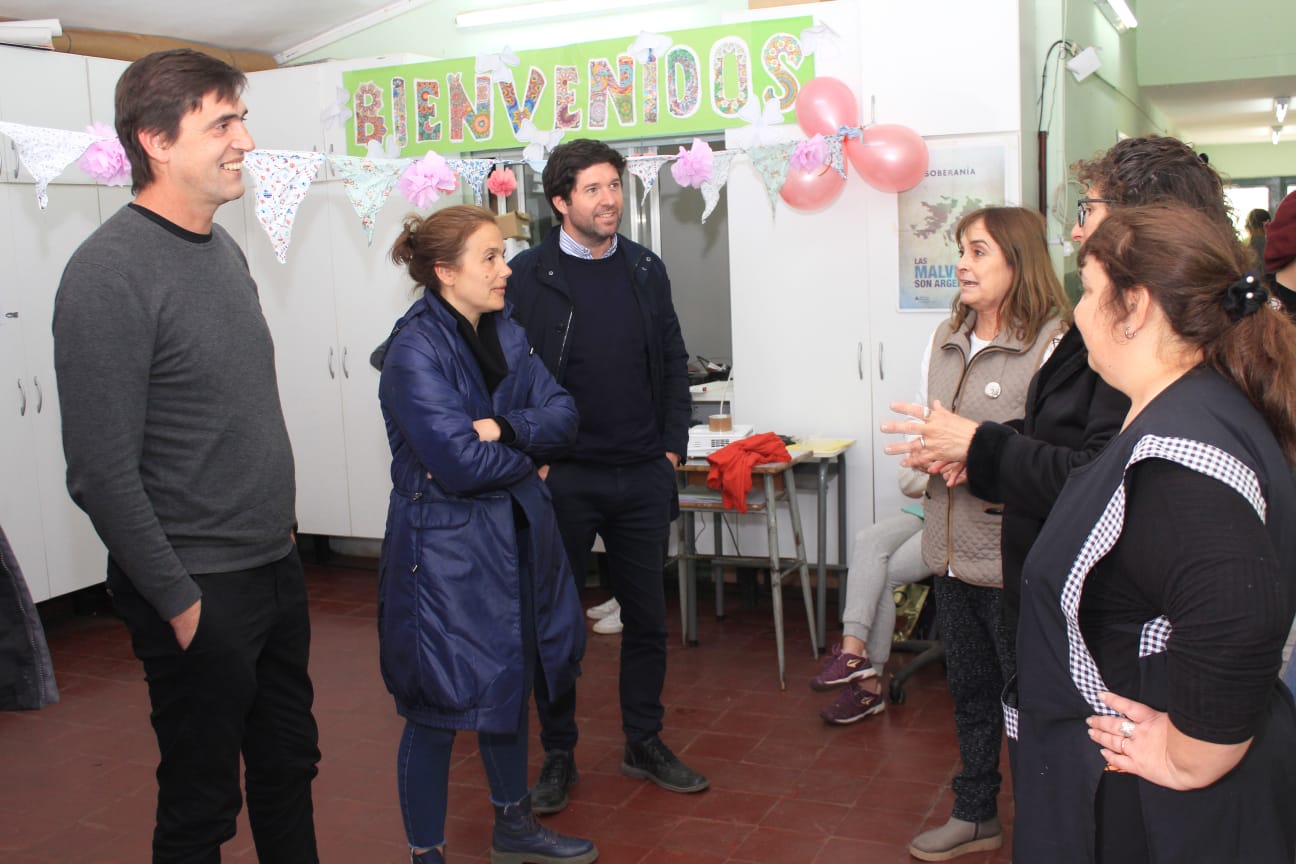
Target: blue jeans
423,776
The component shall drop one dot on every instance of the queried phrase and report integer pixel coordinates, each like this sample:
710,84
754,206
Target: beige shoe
956,838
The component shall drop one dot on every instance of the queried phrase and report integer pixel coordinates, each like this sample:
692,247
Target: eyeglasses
1082,208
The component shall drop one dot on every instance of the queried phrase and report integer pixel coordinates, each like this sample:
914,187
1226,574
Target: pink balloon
824,105
813,189
889,157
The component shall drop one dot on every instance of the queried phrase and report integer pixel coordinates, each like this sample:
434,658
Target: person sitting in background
1255,225
475,597
1153,727
887,556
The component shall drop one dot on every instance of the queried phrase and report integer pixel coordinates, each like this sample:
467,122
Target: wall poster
964,173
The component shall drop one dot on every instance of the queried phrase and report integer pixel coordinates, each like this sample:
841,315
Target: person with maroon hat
1280,254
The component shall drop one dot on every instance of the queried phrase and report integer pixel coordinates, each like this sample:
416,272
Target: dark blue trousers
241,689
629,506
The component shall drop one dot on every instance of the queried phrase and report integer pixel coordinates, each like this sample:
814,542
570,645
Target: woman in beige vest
1005,319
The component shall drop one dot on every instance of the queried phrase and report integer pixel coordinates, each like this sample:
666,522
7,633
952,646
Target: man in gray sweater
177,450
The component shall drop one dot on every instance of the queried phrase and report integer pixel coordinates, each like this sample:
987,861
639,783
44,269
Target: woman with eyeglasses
1153,727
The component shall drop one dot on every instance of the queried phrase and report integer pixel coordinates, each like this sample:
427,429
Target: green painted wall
1183,41
1246,161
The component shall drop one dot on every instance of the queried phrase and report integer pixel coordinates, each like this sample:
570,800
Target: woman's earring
1130,334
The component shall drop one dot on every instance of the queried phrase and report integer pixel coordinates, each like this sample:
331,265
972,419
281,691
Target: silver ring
1123,741
1127,728
922,442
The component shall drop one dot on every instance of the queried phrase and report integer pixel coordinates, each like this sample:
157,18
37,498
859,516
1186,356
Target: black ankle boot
520,839
430,856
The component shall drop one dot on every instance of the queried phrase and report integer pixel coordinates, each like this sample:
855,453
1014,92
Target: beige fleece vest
961,532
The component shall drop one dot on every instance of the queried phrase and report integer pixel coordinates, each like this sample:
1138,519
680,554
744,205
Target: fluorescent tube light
1280,109
17,33
549,9
1118,13
1275,133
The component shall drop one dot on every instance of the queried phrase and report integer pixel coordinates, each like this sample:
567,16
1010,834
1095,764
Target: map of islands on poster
962,176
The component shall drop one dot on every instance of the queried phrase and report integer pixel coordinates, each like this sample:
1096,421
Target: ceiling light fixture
1118,13
519,13
1275,132
1280,109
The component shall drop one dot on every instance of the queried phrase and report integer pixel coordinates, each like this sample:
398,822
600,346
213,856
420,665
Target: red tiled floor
784,787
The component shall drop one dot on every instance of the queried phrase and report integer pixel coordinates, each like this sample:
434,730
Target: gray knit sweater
172,428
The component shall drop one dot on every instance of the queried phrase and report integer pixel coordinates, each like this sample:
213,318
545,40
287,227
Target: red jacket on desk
731,466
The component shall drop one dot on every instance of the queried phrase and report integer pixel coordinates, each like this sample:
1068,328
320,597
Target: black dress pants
629,506
241,689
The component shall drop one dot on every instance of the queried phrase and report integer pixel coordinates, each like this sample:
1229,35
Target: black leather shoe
557,775
653,760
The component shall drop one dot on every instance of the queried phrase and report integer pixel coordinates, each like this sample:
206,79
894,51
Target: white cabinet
58,548
43,88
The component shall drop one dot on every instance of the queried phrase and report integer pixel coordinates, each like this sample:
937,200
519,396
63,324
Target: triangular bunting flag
771,163
473,172
646,169
46,152
721,161
835,153
282,178
368,184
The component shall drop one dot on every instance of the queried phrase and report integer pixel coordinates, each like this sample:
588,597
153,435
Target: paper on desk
823,446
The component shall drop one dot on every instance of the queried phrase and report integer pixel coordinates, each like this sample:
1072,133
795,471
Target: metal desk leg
691,636
842,560
799,538
821,567
775,569
717,572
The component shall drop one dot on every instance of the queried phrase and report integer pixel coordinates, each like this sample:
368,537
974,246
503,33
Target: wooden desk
771,483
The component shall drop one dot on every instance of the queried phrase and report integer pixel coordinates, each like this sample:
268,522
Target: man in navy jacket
597,308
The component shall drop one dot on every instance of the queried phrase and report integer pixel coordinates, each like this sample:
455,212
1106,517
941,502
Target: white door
20,513
297,299
47,239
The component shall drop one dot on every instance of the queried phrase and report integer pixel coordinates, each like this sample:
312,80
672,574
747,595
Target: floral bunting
719,177
368,184
45,153
282,178
646,168
771,164
473,172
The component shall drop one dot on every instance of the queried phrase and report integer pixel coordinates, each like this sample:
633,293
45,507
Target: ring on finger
922,442
1124,741
1127,728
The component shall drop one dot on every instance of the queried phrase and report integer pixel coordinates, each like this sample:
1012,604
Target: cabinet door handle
22,400
859,360
40,397
881,368
11,314
332,374
346,373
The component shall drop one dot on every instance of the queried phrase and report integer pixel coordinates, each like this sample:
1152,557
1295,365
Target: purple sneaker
854,703
840,668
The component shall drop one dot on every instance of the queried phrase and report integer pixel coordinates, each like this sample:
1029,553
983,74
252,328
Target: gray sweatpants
887,555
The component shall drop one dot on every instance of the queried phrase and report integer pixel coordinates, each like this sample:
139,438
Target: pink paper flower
810,154
502,182
426,180
693,166
105,160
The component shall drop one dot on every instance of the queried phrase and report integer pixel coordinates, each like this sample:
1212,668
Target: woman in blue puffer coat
475,588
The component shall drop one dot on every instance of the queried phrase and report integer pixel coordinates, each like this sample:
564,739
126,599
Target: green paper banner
591,90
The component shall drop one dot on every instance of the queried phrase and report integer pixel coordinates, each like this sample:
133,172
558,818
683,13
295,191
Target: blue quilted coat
449,608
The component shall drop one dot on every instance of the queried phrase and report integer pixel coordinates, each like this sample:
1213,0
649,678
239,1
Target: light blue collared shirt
576,250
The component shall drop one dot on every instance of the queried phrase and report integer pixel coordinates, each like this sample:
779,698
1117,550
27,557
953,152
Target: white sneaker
610,624
603,610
